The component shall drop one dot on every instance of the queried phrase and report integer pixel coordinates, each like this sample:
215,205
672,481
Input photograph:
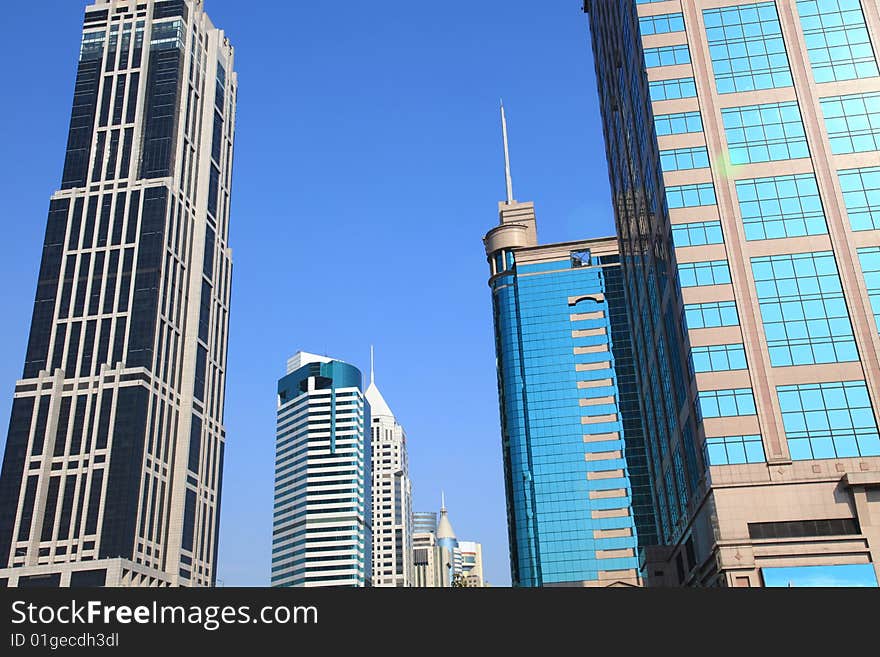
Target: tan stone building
767,123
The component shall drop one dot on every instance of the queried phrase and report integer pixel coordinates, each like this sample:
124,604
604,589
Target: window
853,122
870,259
747,48
804,528
679,159
861,194
661,24
719,358
727,403
689,196
828,420
837,40
697,233
711,315
698,274
783,206
803,308
678,123
765,133
672,89
667,56
735,450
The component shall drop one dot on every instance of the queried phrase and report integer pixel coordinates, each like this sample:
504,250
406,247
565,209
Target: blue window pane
747,48
697,233
719,358
828,420
680,159
861,194
783,206
765,133
688,196
727,403
667,56
678,123
672,89
869,257
696,274
853,122
711,315
803,309
661,24
837,39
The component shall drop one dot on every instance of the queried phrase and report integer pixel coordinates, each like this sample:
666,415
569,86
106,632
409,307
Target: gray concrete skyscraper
114,458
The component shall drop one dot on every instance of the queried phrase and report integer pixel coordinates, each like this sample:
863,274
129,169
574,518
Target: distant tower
322,534
392,494
448,543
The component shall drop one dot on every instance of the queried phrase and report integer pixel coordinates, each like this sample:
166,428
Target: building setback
322,532
114,457
392,495
578,493
742,142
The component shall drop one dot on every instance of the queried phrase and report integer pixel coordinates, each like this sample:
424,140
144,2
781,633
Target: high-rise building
578,491
392,494
743,140
114,457
427,560
426,552
472,563
322,521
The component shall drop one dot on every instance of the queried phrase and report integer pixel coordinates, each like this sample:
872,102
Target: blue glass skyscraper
578,496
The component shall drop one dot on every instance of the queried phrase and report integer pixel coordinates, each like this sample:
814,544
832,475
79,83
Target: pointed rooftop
378,405
444,526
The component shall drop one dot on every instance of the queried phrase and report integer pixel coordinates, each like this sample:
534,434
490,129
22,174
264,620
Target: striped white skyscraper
392,495
321,531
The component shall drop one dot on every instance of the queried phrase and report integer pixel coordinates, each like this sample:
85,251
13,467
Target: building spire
372,367
506,155
442,501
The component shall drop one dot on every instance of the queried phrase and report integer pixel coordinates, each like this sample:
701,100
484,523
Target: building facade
392,495
743,146
472,563
114,458
322,534
426,562
578,492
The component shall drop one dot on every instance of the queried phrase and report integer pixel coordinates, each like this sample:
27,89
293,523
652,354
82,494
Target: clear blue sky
367,169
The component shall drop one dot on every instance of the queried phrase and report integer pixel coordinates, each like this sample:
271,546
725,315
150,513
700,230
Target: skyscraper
322,521
392,494
742,142
578,492
114,457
